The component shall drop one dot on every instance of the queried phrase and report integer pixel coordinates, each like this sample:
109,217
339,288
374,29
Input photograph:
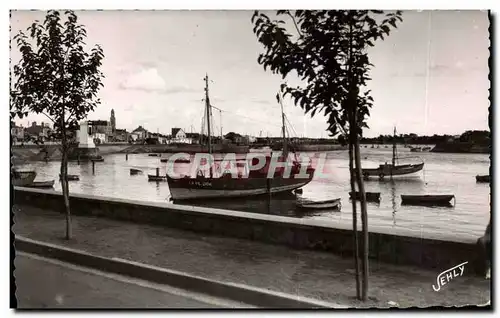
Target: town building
179,136
17,133
141,133
38,132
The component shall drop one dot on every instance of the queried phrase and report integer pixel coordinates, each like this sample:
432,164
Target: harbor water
442,174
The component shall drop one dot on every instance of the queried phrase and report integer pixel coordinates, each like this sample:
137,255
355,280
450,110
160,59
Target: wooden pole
157,172
126,156
93,167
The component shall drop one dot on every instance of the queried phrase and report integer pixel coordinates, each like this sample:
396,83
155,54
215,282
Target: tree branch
295,23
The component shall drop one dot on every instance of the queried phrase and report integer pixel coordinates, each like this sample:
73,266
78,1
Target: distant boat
154,155
180,160
135,171
393,169
98,159
71,177
153,177
427,199
41,184
370,196
483,178
319,205
23,178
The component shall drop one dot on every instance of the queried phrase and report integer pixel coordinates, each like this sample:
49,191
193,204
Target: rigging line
235,114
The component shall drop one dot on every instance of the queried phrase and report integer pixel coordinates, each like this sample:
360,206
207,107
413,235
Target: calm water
443,174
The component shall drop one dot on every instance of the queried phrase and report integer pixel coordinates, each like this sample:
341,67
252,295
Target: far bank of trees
478,137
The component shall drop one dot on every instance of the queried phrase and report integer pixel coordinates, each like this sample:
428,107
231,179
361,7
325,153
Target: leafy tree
328,51
58,78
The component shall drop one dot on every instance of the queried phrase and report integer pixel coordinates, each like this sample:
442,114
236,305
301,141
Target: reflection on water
443,174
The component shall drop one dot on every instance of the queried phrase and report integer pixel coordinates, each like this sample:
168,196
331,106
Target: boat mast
285,148
394,149
208,110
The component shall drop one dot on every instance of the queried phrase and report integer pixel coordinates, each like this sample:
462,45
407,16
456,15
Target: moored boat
370,196
179,160
41,184
71,177
483,178
97,159
439,199
154,155
393,169
22,178
254,182
319,205
152,177
135,171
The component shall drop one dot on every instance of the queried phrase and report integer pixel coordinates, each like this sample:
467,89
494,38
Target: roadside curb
237,292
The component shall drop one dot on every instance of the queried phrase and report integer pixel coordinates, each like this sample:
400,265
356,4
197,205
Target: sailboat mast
285,148
207,106
394,149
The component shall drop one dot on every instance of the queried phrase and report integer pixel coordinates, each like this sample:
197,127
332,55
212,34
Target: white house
179,136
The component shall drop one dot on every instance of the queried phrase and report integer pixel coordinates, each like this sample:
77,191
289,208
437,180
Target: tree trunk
354,215
364,218
64,180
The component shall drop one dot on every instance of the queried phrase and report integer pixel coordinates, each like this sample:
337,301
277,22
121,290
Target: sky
430,76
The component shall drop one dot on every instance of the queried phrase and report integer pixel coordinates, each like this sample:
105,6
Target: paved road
45,283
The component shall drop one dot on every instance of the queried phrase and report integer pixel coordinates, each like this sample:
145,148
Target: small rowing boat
179,160
370,196
441,199
319,205
135,171
484,178
71,177
22,178
152,177
41,184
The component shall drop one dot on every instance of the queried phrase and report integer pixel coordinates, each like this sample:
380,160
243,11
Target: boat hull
485,178
42,184
23,178
427,199
156,178
388,171
370,196
330,204
191,188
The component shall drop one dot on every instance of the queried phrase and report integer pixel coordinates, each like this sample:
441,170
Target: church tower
113,121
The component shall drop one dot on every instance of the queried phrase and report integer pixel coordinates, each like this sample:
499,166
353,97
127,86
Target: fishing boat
22,178
394,168
416,149
41,184
426,148
154,155
441,199
483,178
319,205
157,178
135,171
248,183
370,196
